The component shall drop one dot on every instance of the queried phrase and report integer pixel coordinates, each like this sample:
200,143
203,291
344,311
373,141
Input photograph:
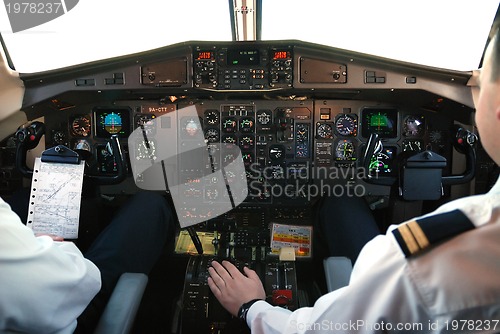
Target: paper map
56,191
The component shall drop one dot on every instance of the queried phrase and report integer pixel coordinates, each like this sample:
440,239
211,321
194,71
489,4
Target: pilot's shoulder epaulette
417,235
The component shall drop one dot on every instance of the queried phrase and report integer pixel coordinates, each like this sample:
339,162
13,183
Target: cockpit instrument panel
112,121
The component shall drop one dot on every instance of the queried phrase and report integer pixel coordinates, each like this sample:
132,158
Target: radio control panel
242,68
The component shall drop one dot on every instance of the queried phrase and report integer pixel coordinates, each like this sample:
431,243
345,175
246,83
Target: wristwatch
242,313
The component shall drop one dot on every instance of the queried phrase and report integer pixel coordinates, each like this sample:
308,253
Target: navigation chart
55,198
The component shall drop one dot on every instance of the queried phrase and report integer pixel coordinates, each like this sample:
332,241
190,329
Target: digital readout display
281,55
202,55
243,57
110,121
383,161
384,122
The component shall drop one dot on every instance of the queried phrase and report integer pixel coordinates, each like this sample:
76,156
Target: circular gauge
212,117
230,139
211,194
302,151
146,150
264,117
229,125
346,125
212,135
230,176
325,131
191,126
248,175
276,172
80,126
246,142
260,190
435,136
246,124
145,122
82,145
247,158
413,126
213,151
214,179
344,150
83,148
412,145
302,133
113,123
59,137
229,157
276,152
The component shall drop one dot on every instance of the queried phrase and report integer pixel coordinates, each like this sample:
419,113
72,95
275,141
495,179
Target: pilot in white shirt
49,286
435,274
41,277
392,292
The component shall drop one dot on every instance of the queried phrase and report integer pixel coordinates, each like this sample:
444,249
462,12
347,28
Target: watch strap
242,313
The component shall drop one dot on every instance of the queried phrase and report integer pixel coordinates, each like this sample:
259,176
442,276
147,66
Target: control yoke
420,175
28,138
464,142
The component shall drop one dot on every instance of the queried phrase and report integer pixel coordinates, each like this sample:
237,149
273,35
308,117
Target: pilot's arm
44,285
427,292
377,291
370,288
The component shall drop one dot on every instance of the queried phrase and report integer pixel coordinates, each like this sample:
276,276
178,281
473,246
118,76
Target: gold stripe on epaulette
409,239
419,235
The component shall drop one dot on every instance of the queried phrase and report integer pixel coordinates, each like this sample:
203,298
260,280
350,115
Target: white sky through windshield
442,33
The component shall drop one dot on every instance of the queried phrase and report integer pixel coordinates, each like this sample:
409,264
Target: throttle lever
120,164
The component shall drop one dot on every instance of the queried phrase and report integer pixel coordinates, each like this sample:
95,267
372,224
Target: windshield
445,33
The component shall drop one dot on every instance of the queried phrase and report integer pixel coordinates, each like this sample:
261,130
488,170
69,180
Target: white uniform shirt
44,285
454,287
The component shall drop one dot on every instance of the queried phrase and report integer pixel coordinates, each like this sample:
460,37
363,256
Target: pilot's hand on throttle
232,288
